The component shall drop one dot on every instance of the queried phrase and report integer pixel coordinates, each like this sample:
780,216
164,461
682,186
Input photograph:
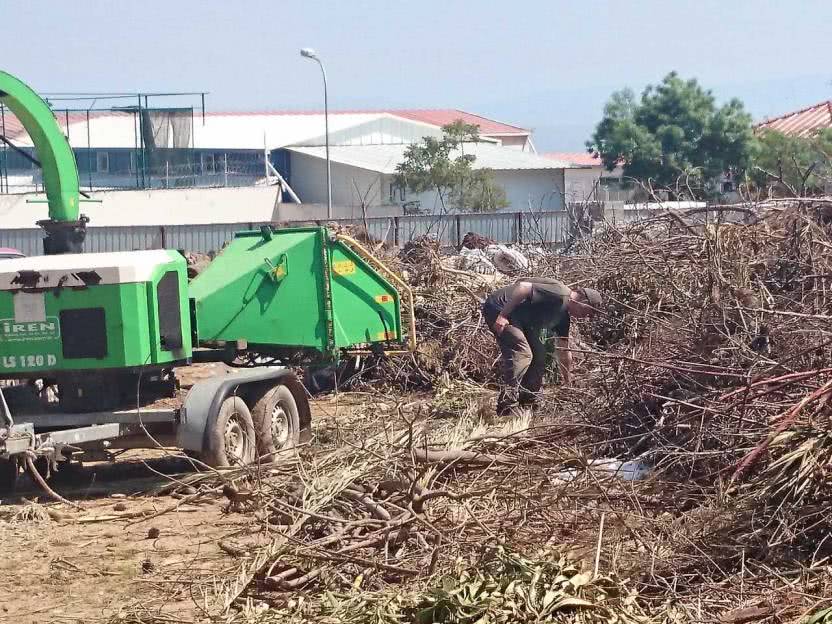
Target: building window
208,163
397,190
102,162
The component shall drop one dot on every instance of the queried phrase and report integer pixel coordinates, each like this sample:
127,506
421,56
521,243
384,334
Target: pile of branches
683,477
429,521
711,366
454,342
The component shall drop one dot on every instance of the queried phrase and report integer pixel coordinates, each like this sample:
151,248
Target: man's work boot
505,408
506,402
529,400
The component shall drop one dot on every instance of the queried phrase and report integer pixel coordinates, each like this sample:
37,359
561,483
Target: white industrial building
363,175
239,149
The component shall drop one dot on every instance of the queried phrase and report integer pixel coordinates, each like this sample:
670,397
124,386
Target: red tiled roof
804,123
577,158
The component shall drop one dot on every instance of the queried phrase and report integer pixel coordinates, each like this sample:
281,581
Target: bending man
517,314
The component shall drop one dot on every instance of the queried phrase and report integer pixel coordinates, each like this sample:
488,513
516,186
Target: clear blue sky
545,64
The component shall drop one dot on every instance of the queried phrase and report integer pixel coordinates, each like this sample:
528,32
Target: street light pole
311,54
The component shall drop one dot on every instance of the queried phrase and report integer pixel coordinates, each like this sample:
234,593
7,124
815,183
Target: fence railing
512,227
534,228
544,228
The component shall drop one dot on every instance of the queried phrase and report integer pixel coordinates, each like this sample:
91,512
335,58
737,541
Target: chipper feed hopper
106,331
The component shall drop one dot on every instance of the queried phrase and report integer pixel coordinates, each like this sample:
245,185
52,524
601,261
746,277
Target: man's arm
522,291
564,356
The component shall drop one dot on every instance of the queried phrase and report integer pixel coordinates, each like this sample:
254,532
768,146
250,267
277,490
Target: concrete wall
580,184
542,187
527,189
195,206
351,186
157,207
515,142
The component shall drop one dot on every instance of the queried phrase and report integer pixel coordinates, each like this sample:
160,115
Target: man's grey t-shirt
544,309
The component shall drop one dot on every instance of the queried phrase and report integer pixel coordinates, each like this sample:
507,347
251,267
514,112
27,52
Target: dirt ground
63,564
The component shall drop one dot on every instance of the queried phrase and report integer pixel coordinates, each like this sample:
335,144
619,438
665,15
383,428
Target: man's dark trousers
522,364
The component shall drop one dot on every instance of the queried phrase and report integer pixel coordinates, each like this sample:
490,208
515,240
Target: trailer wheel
9,472
276,422
232,439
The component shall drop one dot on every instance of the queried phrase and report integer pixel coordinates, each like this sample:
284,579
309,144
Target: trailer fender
202,404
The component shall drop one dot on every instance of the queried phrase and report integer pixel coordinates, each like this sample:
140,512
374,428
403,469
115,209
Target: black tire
9,473
276,423
231,442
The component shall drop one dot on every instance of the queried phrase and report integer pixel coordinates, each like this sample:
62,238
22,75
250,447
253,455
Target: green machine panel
76,312
294,288
365,306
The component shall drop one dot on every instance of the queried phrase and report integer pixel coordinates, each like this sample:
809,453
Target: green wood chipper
106,332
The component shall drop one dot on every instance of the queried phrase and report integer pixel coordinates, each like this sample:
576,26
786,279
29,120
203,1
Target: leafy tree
674,136
479,192
798,166
441,165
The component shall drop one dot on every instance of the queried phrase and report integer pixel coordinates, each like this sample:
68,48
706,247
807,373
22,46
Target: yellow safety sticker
343,267
386,336
384,298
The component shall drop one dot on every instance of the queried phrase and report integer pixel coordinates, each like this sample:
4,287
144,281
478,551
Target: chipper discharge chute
299,291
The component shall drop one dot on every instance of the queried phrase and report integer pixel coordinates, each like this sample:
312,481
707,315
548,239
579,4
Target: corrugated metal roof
250,130
804,122
384,158
74,125
235,131
15,131
220,131
431,116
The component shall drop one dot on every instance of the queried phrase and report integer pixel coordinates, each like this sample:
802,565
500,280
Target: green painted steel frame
60,171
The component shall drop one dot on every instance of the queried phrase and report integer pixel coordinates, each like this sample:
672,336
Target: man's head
584,302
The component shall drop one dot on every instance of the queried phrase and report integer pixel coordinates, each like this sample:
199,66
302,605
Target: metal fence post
163,237
396,231
458,231
519,234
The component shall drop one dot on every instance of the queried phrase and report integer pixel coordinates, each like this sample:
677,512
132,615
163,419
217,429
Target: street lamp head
308,53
